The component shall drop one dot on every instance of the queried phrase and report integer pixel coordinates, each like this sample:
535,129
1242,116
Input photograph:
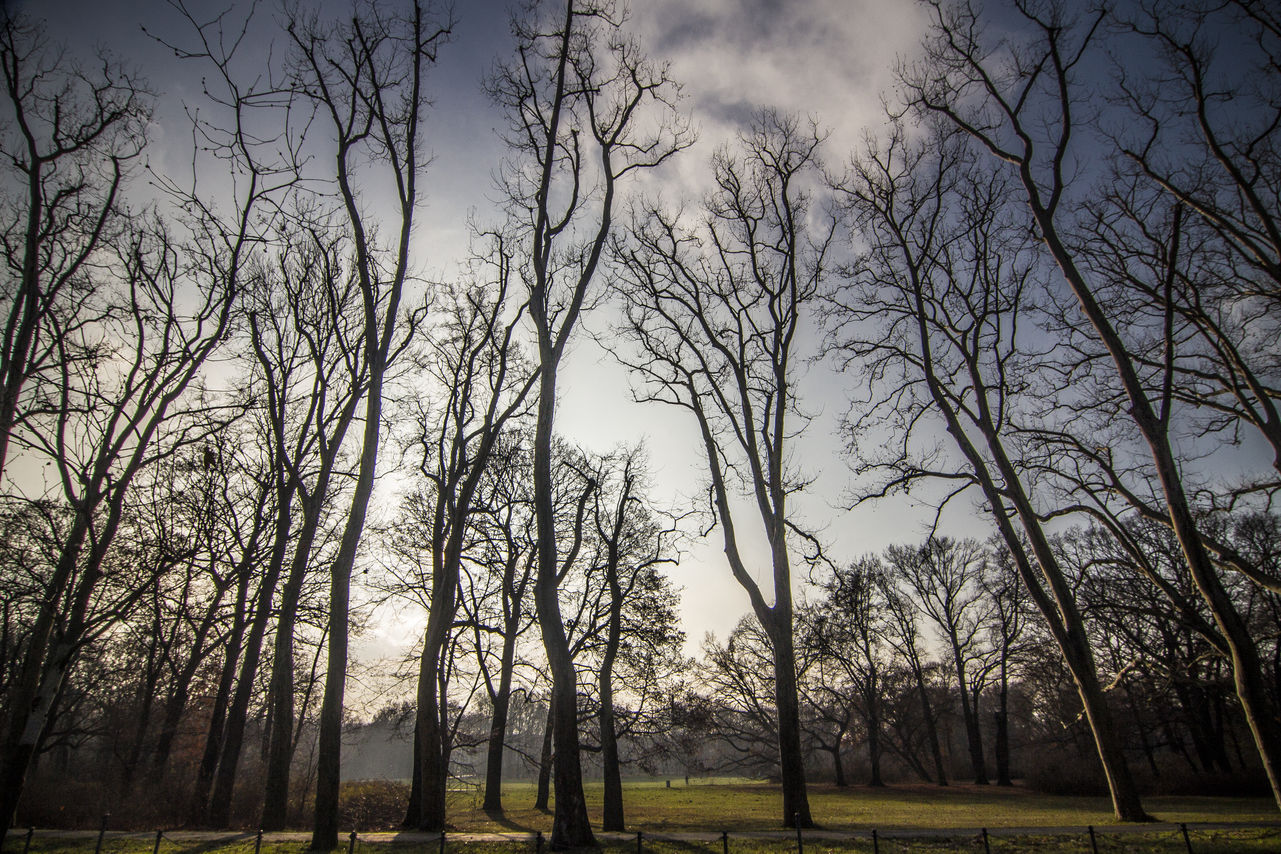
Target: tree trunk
498,724
1058,606
571,827
612,813
1247,670
969,714
434,770
931,727
280,754
237,713
414,811
38,680
197,811
873,734
324,836
1002,738
543,799
796,808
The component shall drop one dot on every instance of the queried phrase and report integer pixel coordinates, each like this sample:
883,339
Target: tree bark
612,812
969,714
280,748
498,723
1002,735
542,801
796,808
197,811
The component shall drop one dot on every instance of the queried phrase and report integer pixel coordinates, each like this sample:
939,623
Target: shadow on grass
501,819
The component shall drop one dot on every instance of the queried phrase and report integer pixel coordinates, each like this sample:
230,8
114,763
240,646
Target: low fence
1192,838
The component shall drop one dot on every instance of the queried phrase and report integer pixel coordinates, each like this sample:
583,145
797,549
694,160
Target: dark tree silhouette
713,318
585,109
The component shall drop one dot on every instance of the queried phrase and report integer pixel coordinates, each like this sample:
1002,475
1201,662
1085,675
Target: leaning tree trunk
234,730
280,753
197,811
1058,606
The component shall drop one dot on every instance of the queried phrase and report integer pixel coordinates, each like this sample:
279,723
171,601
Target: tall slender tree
585,110
715,319
365,79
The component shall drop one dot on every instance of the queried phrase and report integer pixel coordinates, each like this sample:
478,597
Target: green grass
1247,841
748,806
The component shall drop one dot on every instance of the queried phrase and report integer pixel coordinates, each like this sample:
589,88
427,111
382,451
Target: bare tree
848,631
944,577
306,333
1009,603
736,678
365,79
483,384
118,409
933,313
714,319
585,110
1020,106
632,542
495,599
903,635
70,137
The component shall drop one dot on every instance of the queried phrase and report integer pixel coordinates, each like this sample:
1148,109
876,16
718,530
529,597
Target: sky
830,59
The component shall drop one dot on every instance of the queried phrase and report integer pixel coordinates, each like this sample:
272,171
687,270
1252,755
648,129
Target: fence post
538,842
442,842
351,843
724,842
26,846
102,831
258,842
639,841
800,843
155,849
876,843
1094,845
987,849
1183,826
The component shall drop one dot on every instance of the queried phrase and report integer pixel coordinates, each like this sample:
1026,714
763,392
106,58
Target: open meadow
754,806
691,818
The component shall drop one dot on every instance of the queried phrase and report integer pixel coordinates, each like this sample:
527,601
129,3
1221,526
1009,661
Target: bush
1058,772
372,804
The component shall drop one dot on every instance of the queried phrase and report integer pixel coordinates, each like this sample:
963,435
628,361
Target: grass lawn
747,806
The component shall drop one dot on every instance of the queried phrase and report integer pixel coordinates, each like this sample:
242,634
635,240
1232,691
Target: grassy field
757,806
753,808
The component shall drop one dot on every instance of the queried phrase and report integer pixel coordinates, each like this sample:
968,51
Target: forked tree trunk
280,748
219,813
969,714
